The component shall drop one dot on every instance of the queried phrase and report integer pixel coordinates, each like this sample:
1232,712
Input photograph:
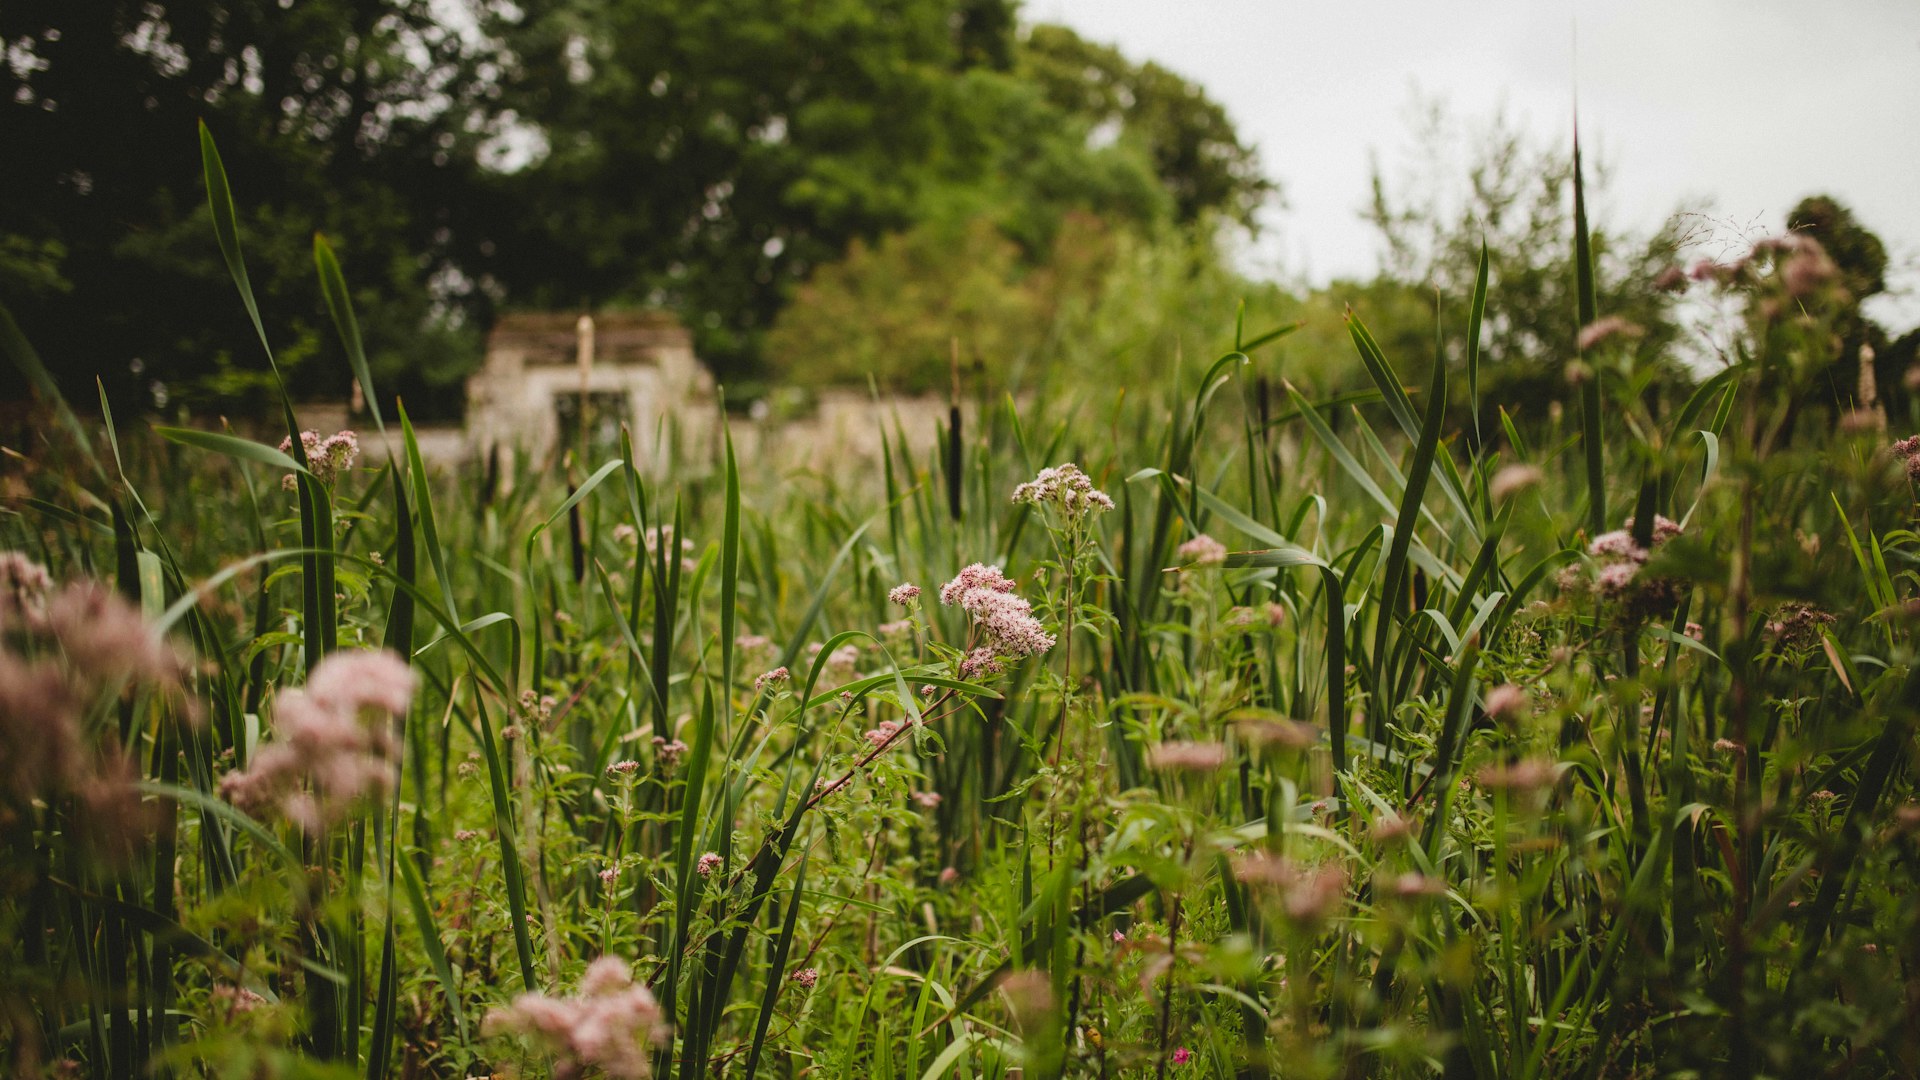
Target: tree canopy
705,157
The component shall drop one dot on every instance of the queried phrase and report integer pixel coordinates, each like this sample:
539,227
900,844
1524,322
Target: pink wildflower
1615,577
1066,486
1617,544
1412,884
1202,550
806,977
1512,480
24,585
1506,702
237,1000
982,576
322,738
1308,894
841,663
904,595
772,678
1182,1055
1605,327
1197,757
709,863
1527,774
1807,269
104,636
611,1025
363,679
668,752
326,458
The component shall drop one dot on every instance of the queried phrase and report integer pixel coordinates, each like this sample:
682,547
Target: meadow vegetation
1212,729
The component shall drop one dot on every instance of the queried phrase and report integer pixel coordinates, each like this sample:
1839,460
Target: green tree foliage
1860,259
1187,136
1518,201
895,310
704,157
356,117
710,156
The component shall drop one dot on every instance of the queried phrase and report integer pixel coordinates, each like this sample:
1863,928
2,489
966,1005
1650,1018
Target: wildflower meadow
1210,728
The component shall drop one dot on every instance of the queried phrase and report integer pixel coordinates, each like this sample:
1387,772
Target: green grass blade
1476,311
1417,474
333,288
1591,440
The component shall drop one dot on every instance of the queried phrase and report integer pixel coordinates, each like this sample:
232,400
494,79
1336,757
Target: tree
1518,202
1860,258
705,157
356,117
710,156
1187,136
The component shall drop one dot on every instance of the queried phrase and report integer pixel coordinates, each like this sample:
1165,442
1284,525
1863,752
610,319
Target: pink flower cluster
1605,328
1908,451
1798,625
60,648
1506,702
1067,487
321,736
1621,558
326,458
1526,774
1199,757
904,595
754,645
841,664
708,863
1308,894
611,1025
1202,550
884,732
1805,267
771,678
668,752
1011,630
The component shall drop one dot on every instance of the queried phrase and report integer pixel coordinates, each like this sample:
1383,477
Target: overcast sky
1750,103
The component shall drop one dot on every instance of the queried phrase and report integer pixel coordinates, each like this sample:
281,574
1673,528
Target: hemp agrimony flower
1067,487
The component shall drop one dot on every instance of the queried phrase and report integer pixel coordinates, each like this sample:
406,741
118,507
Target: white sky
1749,103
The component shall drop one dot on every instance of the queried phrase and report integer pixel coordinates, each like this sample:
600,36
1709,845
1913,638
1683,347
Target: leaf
333,288
232,446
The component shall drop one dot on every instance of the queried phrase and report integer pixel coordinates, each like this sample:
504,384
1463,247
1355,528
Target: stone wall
534,361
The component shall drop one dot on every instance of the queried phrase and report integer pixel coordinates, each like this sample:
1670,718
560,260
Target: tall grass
1363,747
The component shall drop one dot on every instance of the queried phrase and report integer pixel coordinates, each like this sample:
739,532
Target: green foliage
347,116
1515,195
1250,746
1192,144
703,157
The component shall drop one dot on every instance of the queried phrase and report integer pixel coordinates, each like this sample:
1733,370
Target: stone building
548,373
